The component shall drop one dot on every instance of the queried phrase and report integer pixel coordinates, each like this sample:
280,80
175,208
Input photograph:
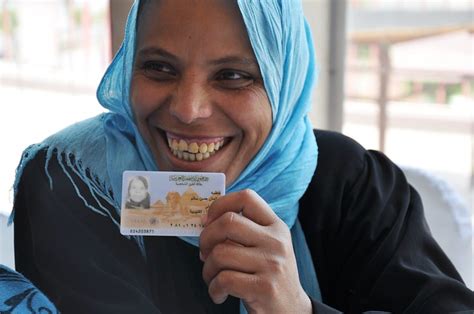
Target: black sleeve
368,237
75,256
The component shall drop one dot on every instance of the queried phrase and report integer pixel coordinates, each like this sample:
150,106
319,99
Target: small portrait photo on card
138,195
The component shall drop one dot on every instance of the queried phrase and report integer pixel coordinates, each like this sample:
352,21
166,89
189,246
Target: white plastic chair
448,217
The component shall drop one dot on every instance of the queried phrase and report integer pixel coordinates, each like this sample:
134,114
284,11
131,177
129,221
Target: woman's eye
234,79
231,76
158,69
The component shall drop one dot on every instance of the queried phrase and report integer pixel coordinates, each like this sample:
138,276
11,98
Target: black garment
364,226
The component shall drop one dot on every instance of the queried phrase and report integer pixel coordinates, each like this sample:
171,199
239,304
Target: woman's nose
191,101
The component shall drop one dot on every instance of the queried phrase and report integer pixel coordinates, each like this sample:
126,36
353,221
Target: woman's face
137,191
196,92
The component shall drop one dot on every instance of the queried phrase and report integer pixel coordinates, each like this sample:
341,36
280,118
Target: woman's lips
194,149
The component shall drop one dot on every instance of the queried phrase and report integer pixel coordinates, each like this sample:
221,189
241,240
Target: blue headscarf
280,172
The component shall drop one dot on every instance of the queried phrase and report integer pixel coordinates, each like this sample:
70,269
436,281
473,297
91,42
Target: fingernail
201,257
204,219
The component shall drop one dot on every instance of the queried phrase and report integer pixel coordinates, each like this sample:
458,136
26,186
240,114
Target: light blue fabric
19,295
280,172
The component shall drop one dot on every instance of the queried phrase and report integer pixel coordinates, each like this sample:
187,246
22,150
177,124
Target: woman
236,75
138,196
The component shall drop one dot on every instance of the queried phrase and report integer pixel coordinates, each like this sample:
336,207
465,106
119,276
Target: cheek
255,114
143,97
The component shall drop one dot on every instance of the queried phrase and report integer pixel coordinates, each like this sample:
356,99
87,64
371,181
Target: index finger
247,202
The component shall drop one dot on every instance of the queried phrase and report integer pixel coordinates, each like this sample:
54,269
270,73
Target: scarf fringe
28,154
71,166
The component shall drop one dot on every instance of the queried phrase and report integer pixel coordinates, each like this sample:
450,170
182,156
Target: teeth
183,145
193,151
203,148
174,145
193,148
210,147
185,156
192,157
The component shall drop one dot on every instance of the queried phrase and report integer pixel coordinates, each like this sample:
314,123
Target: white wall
6,243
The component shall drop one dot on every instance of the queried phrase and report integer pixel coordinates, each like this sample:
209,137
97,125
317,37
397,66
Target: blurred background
396,75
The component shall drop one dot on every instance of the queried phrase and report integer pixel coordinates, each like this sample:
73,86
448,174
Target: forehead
136,182
200,23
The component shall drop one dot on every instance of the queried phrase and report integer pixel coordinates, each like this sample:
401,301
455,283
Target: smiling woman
223,86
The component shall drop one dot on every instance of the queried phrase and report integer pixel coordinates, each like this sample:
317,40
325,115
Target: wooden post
337,56
118,17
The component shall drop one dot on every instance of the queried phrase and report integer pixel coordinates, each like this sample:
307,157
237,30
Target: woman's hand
250,256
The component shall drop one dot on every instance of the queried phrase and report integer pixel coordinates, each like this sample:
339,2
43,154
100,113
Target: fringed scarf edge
73,167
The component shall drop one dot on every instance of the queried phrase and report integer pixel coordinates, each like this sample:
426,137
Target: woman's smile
189,151
194,148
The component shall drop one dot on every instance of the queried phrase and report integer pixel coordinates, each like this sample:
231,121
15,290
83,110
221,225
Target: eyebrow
151,51
235,60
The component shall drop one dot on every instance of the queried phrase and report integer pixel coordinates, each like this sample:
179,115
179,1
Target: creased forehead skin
145,4
191,17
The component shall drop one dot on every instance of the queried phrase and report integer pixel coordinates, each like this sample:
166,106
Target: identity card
167,203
